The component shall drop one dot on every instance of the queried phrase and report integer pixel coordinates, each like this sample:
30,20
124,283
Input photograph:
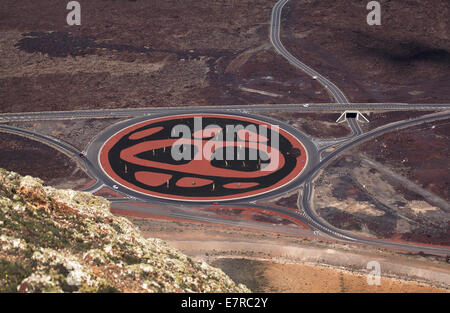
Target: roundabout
202,157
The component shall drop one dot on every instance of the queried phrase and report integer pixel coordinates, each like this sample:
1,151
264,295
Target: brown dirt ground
143,53
354,196
266,261
252,215
153,53
266,276
29,157
406,59
377,119
289,200
319,125
420,153
77,132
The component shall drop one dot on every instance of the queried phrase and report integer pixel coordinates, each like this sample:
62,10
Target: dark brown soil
345,187
208,51
226,211
271,219
288,202
379,119
243,271
424,228
77,132
344,220
406,59
217,53
319,125
29,157
420,153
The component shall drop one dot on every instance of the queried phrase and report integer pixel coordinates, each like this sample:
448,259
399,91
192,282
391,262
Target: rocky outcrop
66,241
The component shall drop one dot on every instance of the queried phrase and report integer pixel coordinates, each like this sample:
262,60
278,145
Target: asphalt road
95,146
313,168
275,29
307,191
354,126
60,145
311,107
355,138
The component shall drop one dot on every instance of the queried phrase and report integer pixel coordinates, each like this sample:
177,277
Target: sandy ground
282,263
267,276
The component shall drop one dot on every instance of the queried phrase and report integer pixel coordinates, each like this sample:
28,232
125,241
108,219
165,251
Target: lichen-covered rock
66,241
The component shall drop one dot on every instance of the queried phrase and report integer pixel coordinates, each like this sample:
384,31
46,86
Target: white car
115,187
314,77
306,105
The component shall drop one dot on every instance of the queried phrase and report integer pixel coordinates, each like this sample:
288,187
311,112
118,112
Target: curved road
314,168
94,148
315,164
275,26
334,232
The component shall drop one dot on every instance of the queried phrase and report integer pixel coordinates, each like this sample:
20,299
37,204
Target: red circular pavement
139,158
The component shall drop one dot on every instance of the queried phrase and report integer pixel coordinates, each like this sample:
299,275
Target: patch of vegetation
11,274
